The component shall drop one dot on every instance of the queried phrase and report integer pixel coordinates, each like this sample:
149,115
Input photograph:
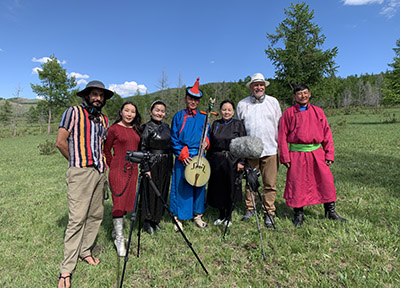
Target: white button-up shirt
261,119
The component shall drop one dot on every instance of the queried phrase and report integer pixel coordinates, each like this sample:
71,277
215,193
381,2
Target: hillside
20,105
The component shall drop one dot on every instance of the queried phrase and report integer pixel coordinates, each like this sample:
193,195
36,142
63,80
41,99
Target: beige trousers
85,204
268,166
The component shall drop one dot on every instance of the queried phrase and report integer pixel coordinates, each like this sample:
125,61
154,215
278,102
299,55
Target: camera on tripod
138,156
252,175
145,159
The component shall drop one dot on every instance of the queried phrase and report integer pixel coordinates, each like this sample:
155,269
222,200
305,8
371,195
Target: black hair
157,102
300,88
226,101
137,121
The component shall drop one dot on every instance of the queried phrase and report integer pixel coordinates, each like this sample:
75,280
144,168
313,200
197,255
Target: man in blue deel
187,201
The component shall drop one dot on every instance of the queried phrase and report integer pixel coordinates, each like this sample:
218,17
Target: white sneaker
218,221
227,223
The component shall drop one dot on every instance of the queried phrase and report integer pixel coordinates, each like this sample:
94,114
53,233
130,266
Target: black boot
269,220
298,216
147,227
330,212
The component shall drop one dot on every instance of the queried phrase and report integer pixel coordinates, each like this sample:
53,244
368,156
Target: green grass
323,253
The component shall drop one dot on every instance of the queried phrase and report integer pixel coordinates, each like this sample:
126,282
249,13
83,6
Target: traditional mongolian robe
186,130
221,186
119,140
309,179
156,139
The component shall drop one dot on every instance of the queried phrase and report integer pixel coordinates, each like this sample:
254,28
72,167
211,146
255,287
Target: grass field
322,253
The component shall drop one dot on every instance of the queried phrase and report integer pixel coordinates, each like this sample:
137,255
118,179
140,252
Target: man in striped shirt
80,139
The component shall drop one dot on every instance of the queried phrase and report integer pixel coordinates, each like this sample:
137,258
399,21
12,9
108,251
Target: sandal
179,224
199,222
84,259
64,278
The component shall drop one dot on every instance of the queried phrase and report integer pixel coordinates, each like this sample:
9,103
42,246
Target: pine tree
391,93
295,49
55,86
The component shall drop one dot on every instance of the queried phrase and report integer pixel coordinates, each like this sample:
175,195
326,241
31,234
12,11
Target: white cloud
40,97
40,60
78,75
45,59
36,69
81,81
128,88
391,8
361,2
80,78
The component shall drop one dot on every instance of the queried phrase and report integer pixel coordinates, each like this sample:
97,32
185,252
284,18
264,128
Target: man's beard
95,101
93,110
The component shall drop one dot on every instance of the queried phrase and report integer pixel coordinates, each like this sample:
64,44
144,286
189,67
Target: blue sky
128,44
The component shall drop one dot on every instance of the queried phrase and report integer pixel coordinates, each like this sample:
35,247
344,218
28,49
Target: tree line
295,50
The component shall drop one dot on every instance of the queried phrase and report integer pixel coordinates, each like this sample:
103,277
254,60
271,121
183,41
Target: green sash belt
303,147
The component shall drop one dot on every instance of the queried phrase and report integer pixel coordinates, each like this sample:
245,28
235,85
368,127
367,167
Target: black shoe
247,215
331,214
269,220
147,227
298,217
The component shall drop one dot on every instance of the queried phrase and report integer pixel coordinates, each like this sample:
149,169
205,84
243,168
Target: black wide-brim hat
95,84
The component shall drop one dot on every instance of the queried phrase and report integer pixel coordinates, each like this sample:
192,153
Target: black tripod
251,175
146,158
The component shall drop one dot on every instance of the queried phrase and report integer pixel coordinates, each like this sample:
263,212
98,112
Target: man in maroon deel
306,149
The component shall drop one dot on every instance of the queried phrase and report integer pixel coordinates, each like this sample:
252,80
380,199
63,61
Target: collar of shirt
191,112
255,100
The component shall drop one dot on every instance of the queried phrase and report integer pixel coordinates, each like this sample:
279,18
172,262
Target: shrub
47,148
389,117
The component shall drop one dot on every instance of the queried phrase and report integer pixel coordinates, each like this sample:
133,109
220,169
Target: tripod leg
265,209
238,182
140,223
133,218
258,224
174,221
228,219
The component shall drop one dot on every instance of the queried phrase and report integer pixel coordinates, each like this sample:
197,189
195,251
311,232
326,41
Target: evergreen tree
32,116
391,93
6,113
112,107
55,86
300,60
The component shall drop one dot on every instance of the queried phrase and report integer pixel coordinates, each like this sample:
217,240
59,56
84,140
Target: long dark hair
137,121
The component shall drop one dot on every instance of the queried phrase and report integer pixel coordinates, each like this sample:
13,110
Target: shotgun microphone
246,147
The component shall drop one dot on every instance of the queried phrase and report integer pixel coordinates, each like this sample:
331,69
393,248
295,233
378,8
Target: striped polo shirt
86,138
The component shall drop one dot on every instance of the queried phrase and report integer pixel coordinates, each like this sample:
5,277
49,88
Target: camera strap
127,166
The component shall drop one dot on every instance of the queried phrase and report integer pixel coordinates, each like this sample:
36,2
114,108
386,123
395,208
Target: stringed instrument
198,172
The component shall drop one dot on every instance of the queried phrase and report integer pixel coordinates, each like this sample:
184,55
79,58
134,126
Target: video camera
139,156
252,175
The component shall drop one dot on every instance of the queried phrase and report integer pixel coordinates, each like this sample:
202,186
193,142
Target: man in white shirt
260,114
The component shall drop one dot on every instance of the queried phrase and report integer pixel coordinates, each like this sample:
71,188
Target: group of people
301,135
